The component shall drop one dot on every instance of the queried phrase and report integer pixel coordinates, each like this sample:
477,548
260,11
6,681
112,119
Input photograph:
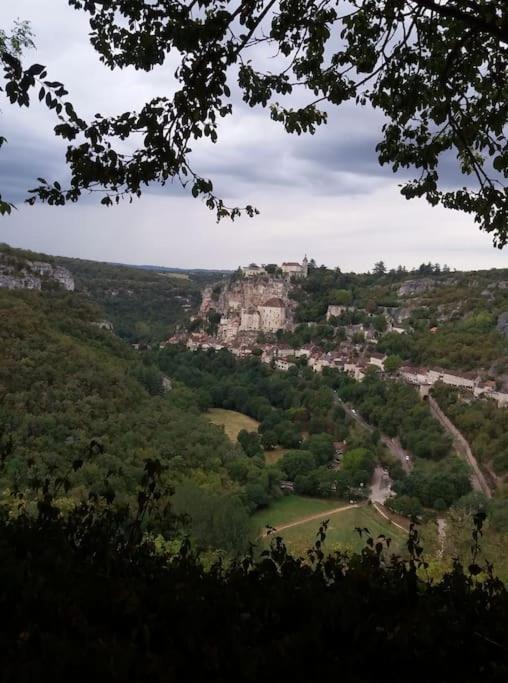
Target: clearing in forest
341,532
232,421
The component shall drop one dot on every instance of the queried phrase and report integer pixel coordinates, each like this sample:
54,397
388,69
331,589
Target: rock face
250,305
502,323
415,287
24,274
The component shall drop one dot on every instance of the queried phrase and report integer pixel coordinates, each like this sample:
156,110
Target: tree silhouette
436,71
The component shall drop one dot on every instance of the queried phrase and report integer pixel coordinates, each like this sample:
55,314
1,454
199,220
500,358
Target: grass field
271,457
232,421
341,529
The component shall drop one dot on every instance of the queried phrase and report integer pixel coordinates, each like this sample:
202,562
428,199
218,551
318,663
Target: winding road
393,445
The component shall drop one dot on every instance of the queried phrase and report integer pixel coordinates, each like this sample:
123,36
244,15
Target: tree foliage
92,594
435,71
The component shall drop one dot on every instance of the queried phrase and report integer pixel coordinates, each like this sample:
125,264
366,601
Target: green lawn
341,529
290,508
232,421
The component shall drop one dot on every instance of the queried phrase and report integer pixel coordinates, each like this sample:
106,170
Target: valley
259,416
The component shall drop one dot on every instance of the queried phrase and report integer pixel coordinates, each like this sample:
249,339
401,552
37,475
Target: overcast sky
324,196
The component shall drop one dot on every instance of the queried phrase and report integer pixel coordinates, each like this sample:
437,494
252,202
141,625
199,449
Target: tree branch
478,23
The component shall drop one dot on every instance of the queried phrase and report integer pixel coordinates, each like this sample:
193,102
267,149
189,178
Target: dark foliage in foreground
85,598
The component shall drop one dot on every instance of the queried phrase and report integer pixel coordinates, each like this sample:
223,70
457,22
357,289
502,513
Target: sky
324,195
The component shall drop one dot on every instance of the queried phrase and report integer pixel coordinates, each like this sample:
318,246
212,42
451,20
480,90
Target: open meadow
341,532
232,421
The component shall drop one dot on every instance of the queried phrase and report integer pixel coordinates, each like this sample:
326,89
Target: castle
256,302
288,268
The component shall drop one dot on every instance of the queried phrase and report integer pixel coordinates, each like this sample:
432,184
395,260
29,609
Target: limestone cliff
20,273
250,305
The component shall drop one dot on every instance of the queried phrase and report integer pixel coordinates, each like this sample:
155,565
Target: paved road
393,445
462,447
380,486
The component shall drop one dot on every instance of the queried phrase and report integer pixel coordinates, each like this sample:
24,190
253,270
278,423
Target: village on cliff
255,304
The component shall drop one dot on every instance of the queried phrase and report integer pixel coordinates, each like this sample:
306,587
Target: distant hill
143,303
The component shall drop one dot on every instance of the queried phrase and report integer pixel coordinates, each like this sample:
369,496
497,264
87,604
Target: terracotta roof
291,263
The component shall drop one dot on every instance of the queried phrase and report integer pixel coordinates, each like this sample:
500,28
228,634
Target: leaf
35,69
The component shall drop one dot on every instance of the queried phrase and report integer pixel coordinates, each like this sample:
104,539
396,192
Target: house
414,375
501,398
356,370
283,365
378,359
486,387
453,379
287,485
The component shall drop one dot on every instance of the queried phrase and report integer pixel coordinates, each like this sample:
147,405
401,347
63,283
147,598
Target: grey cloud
325,195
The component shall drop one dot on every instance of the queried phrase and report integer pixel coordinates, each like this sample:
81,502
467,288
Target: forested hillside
144,305
67,380
452,319
65,383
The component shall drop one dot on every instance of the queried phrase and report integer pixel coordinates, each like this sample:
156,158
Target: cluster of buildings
424,377
348,360
288,268
257,301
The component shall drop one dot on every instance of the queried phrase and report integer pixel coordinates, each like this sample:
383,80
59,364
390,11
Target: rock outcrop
415,287
250,305
502,323
16,273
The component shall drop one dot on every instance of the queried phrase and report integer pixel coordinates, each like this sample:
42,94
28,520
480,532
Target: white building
454,380
283,365
293,269
414,375
378,359
355,370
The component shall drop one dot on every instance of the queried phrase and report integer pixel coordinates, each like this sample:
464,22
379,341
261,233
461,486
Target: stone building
250,319
252,270
272,315
296,269
336,311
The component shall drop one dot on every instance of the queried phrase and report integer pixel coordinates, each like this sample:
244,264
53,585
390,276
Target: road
463,448
393,445
380,486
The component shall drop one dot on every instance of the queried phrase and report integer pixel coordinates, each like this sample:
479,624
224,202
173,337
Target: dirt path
389,519
441,534
311,518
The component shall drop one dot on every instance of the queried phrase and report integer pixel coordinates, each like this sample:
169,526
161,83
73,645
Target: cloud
325,194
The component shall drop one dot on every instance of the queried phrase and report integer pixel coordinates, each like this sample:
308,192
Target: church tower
305,266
